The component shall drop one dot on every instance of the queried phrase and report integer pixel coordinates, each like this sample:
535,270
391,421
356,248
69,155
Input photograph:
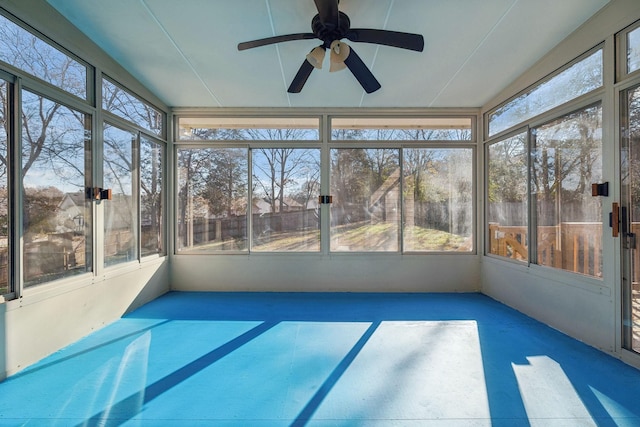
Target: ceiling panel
508,50
186,51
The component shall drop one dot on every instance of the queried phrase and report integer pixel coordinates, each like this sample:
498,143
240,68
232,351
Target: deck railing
572,246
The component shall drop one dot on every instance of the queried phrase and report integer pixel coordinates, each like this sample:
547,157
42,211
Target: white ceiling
186,51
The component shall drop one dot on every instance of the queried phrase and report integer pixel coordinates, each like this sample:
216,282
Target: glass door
630,216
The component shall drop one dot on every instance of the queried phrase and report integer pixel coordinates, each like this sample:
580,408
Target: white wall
335,273
51,316
581,308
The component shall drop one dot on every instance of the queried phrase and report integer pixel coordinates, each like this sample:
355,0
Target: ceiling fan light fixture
339,52
316,57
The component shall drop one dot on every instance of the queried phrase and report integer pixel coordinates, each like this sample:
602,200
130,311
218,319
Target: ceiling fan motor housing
327,32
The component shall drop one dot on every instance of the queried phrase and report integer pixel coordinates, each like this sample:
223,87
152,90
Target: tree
151,158
225,190
193,170
567,158
277,172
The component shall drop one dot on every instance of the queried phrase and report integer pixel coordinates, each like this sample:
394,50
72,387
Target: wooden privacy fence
572,246
202,230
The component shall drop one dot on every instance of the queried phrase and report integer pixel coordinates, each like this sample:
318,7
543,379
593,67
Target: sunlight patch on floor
548,395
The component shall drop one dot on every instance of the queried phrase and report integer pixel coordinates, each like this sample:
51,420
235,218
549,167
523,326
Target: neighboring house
263,205
71,213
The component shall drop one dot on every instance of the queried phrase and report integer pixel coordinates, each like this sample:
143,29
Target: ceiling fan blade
361,72
328,12
301,77
388,38
276,39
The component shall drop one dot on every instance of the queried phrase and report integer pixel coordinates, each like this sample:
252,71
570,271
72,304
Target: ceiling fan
331,26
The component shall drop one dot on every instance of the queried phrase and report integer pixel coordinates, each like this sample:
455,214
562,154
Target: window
575,80
47,196
212,199
566,158
540,209
56,161
4,189
633,50
151,197
365,213
628,52
402,129
214,213
248,129
286,185
29,53
124,104
507,197
438,199
121,212
250,184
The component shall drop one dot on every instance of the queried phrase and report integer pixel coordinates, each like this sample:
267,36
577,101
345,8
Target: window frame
325,144
591,100
533,203
621,50
14,215
181,139
135,193
472,118
530,236
65,99
176,205
90,106
90,70
163,115
163,229
530,88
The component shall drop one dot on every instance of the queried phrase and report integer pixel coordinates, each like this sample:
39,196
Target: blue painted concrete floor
270,359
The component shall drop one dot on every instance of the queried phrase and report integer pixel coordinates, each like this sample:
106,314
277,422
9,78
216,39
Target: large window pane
365,214
151,197
402,129
29,53
4,190
212,199
579,79
566,159
286,184
633,50
124,104
249,128
120,213
438,199
508,198
56,213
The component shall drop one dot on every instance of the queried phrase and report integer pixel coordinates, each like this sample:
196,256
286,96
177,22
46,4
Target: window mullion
16,266
533,217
